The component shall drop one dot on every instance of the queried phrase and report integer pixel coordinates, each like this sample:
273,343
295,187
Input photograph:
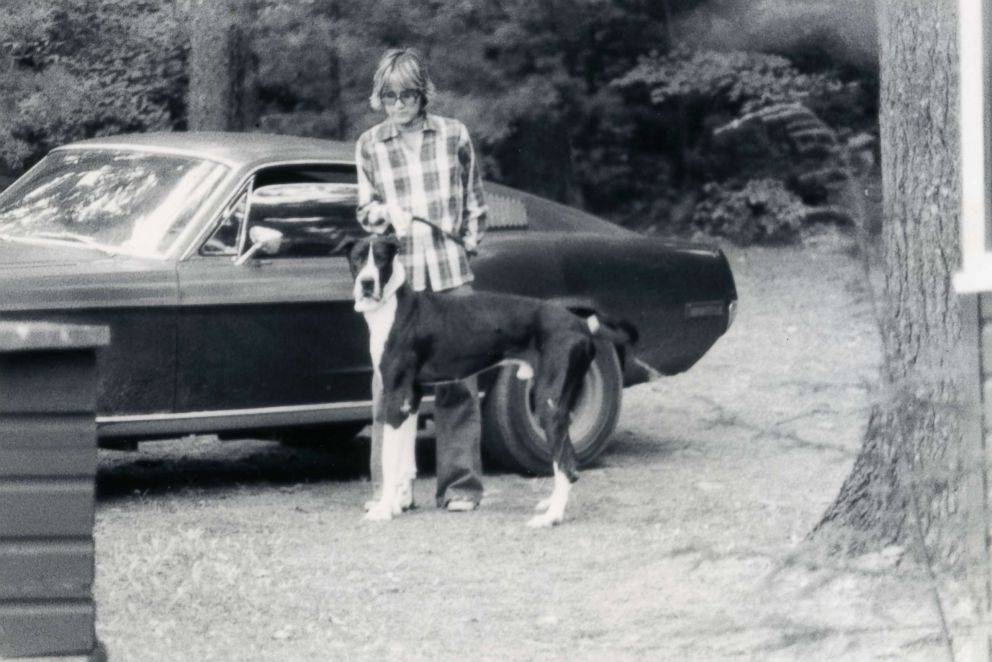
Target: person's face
401,103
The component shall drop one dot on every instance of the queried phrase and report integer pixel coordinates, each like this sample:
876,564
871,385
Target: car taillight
731,313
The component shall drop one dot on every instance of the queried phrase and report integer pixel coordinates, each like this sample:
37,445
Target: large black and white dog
419,338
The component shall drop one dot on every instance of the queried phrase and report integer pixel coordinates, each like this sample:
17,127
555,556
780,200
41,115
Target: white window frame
976,257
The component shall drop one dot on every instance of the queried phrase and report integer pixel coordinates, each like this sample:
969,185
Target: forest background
744,119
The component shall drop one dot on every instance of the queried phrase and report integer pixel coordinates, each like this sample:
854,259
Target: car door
279,330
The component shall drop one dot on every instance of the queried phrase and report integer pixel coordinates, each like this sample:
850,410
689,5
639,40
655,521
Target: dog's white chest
380,322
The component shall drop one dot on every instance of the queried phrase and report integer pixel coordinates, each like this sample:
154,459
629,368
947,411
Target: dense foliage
762,211
85,68
649,113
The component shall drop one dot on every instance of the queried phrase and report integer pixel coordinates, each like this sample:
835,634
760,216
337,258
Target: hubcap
584,414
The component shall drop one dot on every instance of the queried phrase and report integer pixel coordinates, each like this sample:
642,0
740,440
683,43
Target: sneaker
461,506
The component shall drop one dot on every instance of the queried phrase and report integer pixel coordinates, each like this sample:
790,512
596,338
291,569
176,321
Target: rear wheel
512,435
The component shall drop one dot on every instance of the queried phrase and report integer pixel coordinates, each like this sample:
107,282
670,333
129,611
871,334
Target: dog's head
371,261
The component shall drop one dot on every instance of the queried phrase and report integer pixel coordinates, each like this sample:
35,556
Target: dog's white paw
380,512
542,505
405,497
544,521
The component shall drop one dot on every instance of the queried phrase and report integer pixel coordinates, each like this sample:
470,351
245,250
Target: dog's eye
382,254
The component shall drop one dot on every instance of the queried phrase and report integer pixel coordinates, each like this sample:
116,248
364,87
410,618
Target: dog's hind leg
555,419
556,396
555,511
564,463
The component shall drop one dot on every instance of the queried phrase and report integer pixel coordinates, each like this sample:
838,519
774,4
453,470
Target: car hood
16,255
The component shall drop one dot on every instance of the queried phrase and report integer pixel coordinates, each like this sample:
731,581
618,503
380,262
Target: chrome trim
196,422
258,411
711,308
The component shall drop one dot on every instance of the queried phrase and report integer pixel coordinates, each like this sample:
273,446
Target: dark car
152,235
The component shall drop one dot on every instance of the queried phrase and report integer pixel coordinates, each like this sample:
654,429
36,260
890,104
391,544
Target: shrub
88,68
739,80
762,211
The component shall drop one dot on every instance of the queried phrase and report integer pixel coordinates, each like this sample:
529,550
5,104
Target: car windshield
117,201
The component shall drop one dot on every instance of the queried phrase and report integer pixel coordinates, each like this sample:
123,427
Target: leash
444,233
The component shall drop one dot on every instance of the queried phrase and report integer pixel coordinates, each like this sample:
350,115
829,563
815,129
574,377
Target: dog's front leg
407,462
398,469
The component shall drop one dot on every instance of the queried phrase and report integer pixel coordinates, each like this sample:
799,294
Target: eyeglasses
406,96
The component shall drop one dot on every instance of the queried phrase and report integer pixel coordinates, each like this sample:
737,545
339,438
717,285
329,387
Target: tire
512,436
321,436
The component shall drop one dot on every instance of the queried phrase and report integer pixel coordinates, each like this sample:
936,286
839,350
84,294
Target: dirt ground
684,543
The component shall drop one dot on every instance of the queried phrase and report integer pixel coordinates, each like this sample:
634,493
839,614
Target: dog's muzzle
367,287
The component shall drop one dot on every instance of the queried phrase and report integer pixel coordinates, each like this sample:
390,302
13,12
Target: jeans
458,423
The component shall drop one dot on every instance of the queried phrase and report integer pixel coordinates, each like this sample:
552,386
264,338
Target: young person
419,164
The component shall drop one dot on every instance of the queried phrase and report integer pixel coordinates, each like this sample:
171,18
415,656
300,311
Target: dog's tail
618,332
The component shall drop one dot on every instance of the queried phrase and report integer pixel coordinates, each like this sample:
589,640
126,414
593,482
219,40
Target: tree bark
906,484
222,74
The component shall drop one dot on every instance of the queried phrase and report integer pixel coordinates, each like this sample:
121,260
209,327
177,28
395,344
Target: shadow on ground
208,464
630,447
165,467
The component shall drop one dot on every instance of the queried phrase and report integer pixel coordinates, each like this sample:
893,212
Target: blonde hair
408,66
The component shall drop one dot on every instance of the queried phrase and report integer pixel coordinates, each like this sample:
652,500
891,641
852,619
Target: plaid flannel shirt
442,186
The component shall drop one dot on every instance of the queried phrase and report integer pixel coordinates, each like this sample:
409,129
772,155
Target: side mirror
266,240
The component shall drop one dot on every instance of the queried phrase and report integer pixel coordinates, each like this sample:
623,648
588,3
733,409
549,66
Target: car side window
311,205
225,239
316,219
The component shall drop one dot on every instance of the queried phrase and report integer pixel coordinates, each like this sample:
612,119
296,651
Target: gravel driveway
684,543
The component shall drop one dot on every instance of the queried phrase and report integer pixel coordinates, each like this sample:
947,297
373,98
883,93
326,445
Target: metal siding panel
975,342
46,508
986,402
34,629
30,462
47,445
46,569
985,306
985,363
47,466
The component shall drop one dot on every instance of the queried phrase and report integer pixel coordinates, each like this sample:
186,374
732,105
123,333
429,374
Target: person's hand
471,247
399,218
391,216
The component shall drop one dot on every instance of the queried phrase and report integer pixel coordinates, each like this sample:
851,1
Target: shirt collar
387,130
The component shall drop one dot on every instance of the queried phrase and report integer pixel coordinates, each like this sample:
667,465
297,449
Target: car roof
246,151
234,149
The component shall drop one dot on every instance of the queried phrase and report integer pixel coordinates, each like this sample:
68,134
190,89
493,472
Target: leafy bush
762,211
741,81
86,68
756,137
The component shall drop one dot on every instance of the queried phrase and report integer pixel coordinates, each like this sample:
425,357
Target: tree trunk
221,68
906,484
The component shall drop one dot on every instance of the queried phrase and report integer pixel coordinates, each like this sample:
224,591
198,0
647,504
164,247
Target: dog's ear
344,248
391,240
